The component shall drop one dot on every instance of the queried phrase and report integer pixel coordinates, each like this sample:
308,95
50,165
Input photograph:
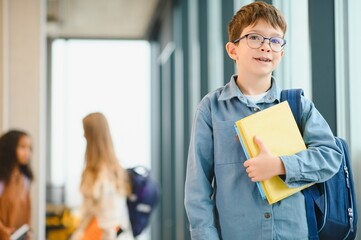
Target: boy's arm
322,158
198,186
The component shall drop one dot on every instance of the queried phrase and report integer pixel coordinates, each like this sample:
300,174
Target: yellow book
277,128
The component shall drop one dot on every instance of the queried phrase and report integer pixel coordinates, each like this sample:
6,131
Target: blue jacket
220,200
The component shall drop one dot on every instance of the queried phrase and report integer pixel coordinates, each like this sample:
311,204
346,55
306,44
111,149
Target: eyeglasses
255,40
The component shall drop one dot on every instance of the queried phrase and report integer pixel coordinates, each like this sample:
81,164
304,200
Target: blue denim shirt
221,201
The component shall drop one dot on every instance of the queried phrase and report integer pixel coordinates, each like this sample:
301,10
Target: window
112,77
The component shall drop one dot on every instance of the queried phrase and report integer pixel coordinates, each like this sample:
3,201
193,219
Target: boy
221,197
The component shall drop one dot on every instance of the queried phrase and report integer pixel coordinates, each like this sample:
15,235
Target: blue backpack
330,206
143,200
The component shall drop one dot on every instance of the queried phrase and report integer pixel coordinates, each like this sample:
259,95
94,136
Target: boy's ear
282,53
231,50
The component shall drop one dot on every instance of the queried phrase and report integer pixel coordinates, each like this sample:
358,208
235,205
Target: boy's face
258,62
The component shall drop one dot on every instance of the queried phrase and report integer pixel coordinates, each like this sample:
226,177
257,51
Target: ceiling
124,19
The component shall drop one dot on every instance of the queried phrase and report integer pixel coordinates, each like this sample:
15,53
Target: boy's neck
253,85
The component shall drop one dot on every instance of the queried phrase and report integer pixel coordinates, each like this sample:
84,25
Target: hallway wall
22,82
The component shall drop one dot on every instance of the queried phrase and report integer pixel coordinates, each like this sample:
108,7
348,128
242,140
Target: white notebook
20,233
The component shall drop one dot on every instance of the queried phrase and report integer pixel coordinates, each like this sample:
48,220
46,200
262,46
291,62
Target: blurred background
146,65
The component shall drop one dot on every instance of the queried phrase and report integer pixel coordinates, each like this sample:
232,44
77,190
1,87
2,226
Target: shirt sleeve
3,231
112,211
199,176
108,213
87,214
322,158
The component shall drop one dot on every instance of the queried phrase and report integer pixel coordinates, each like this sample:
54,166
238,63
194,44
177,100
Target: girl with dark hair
15,178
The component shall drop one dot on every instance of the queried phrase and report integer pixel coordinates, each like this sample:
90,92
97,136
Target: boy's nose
266,46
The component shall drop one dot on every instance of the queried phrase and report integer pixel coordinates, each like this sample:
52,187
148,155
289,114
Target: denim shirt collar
231,90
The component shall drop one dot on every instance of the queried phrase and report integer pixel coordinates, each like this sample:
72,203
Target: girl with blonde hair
104,186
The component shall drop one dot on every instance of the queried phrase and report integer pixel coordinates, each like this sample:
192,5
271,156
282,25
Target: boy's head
251,14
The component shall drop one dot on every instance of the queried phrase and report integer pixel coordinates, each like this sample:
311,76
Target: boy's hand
265,165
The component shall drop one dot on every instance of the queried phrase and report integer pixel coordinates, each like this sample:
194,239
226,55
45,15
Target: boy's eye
276,40
255,37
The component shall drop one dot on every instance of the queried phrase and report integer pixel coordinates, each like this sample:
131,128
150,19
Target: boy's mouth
263,59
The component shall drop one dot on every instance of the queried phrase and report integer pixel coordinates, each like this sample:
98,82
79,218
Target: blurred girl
104,186
15,178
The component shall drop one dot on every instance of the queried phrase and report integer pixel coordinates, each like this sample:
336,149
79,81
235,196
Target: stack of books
277,128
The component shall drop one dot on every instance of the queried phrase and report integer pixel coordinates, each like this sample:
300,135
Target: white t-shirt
256,98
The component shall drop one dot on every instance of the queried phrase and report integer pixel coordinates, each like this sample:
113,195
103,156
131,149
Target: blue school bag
143,200
330,206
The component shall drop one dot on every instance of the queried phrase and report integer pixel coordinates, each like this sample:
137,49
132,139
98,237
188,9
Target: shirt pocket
227,149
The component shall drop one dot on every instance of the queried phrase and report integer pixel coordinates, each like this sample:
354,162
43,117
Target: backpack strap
293,96
310,214
352,210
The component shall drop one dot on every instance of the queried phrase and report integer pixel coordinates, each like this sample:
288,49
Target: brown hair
100,153
250,14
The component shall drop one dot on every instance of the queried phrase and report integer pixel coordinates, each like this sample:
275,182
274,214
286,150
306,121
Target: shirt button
255,109
267,215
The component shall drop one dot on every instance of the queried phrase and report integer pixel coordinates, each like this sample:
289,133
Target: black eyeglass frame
264,38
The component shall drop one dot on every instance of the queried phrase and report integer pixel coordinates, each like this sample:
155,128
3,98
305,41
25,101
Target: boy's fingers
261,145
246,164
